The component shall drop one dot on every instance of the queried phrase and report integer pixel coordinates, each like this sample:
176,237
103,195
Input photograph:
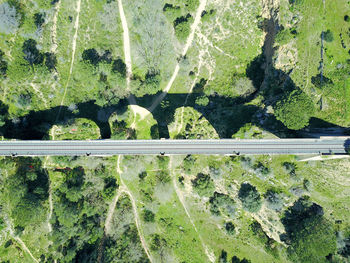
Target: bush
32,54
202,101
148,215
273,200
250,197
295,110
39,19
311,236
203,184
328,36
230,228
192,4
182,26
222,204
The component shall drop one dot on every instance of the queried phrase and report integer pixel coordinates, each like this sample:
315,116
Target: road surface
223,146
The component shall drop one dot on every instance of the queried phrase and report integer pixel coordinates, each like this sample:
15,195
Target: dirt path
74,44
40,94
134,207
189,41
54,28
209,253
19,240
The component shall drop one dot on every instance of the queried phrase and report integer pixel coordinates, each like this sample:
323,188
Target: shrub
148,215
202,101
32,54
222,204
311,236
295,110
192,4
39,19
250,197
273,200
328,36
203,184
182,26
230,228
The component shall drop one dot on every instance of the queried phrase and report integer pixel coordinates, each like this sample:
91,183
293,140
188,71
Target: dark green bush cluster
203,184
309,234
35,57
39,19
295,110
182,26
222,204
148,215
3,65
250,197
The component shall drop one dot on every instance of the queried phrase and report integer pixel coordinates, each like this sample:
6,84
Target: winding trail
208,252
19,240
189,41
125,189
127,59
74,44
54,28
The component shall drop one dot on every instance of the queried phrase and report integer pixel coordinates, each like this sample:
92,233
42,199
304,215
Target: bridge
223,146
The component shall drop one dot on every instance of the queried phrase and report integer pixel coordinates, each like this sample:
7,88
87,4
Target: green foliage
203,184
328,36
250,197
222,204
311,236
39,19
273,200
284,36
295,110
182,26
202,101
191,4
31,53
148,215
3,65
230,228
171,11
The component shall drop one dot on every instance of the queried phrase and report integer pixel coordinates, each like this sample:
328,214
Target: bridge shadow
226,115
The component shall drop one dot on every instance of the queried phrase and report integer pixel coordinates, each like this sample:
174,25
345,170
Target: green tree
311,236
202,101
295,110
222,204
203,184
250,197
148,215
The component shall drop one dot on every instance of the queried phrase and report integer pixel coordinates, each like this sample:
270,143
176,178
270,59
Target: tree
182,26
273,200
222,204
250,197
32,54
295,110
148,215
230,228
39,19
311,236
203,184
328,36
202,101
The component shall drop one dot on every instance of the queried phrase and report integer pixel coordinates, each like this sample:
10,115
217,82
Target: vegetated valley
180,69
